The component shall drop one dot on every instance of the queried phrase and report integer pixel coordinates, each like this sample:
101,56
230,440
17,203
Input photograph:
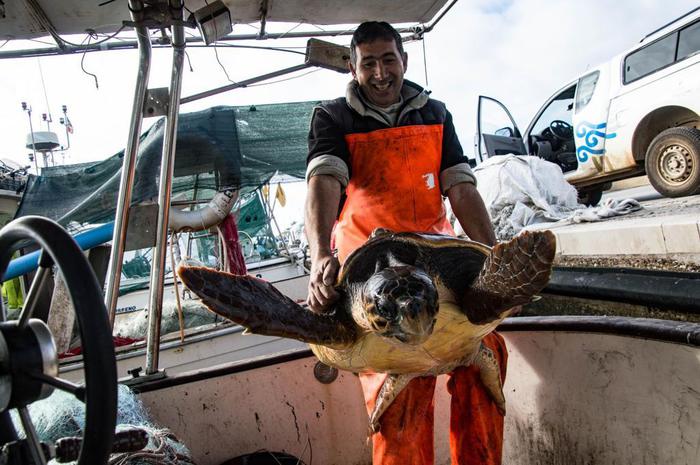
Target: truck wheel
673,162
590,197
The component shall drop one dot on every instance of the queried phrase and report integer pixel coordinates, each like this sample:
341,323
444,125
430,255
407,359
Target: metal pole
129,44
166,182
245,83
31,131
121,220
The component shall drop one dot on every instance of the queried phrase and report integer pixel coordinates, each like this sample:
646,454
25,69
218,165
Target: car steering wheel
28,353
561,130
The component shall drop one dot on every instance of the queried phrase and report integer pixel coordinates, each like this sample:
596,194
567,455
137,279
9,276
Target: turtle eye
380,324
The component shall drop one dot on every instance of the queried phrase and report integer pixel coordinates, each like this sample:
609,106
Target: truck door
496,131
590,122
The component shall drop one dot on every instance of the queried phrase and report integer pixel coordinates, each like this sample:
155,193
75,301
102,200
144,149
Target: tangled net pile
62,415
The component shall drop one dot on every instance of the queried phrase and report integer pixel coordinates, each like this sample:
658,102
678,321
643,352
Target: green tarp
242,147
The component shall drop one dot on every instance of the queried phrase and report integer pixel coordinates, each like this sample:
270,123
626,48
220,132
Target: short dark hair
369,31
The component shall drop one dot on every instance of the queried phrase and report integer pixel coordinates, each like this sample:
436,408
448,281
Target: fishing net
62,415
217,148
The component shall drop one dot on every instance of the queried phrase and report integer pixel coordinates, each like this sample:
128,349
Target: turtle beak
414,324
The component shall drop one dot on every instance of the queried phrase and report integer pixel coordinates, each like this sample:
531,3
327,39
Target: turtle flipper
392,387
511,275
490,374
262,309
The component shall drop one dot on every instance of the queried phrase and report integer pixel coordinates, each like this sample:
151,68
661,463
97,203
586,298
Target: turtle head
400,302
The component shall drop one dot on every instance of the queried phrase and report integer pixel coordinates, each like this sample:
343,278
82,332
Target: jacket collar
414,98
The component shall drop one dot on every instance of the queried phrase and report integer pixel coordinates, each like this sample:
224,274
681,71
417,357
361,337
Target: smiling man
383,157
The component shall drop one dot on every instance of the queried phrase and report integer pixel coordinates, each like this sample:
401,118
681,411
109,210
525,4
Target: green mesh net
62,415
222,147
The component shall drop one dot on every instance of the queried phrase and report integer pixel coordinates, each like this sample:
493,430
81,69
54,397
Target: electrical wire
82,63
43,86
189,62
258,47
93,35
283,80
41,42
287,32
216,53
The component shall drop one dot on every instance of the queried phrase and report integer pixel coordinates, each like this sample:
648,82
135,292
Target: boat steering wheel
28,354
561,130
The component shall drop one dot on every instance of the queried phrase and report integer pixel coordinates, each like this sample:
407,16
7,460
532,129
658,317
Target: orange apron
394,184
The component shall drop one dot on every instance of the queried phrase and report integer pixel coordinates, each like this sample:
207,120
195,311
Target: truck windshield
558,109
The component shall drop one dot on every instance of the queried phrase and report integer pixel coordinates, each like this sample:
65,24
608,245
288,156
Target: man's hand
322,202
324,272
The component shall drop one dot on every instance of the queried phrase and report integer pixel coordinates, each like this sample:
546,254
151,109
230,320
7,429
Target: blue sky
496,7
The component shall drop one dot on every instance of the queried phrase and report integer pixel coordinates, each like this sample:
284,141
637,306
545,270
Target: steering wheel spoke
35,448
77,390
42,275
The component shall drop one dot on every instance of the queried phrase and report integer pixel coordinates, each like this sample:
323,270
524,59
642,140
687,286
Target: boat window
584,90
560,108
689,41
651,58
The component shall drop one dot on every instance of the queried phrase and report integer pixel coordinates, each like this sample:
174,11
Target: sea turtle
411,305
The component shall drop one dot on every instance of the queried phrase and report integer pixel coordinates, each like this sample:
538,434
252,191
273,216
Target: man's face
379,70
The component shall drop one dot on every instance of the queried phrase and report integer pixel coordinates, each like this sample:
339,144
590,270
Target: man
386,154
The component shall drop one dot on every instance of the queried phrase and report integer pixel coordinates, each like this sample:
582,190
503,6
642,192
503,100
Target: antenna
32,156
45,142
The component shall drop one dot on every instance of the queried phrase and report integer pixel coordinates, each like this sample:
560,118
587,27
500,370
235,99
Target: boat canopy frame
162,15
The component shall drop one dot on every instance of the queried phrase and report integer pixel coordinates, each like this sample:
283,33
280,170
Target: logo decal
593,142
429,180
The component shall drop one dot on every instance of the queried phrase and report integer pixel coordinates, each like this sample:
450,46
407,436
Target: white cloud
524,54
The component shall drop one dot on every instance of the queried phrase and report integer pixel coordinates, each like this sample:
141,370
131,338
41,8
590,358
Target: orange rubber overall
395,185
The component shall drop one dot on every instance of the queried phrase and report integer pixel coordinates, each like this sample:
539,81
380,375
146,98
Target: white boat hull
572,398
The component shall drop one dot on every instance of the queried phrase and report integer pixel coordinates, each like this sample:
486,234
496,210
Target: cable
92,34
189,62
216,53
283,80
82,64
41,42
287,32
258,47
43,86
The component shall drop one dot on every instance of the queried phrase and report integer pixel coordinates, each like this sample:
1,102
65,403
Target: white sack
522,190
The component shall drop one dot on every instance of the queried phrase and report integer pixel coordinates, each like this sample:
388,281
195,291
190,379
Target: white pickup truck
637,113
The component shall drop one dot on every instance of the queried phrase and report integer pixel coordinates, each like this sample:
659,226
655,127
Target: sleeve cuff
329,165
454,175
